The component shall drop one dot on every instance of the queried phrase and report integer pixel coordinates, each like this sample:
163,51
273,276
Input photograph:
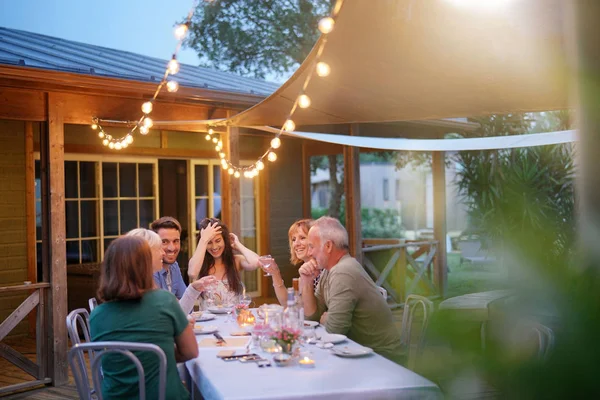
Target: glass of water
265,262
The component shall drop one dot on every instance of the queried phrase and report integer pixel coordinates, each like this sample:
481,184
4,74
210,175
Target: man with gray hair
346,300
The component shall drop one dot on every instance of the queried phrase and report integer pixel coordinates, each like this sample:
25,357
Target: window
386,189
103,199
397,190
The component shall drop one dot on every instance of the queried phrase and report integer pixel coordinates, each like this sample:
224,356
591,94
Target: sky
139,26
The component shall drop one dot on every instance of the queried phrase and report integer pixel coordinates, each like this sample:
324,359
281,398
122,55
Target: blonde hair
149,236
301,224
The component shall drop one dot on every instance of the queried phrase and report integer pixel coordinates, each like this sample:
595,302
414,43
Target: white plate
352,351
310,324
219,310
206,317
334,338
206,329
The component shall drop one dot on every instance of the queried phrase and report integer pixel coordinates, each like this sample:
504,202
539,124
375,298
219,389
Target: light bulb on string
173,66
222,155
100,134
105,142
111,145
94,126
224,164
303,101
272,156
289,126
254,172
118,146
230,171
276,143
217,148
236,174
144,130
124,144
326,25
323,69
147,107
260,165
128,139
220,144
215,140
172,86
147,122
246,174
181,31
207,137
211,131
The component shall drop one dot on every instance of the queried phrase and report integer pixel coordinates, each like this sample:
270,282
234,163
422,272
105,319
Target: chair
93,303
533,338
383,292
125,348
413,343
78,324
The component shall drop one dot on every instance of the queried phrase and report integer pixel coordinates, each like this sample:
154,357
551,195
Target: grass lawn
472,278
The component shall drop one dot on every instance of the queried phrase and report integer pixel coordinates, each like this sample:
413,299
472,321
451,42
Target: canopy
398,60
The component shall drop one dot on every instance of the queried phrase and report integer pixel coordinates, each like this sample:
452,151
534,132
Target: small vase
286,347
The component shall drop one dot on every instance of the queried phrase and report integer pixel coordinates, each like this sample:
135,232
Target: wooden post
231,196
352,189
306,189
438,167
265,226
30,217
587,82
57,306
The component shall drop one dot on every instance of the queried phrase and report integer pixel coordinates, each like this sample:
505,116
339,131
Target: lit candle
306,362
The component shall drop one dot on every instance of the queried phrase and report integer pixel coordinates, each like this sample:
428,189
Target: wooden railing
407,267
37,299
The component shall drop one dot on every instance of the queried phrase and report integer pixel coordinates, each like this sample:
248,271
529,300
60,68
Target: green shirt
155,318
355,308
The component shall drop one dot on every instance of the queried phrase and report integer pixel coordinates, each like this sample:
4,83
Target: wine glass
265,261
230,304
245,300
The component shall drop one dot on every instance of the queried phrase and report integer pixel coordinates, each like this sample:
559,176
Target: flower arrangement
239,307
286,337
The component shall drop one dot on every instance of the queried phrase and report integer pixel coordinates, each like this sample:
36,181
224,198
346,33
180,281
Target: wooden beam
30,216
438,168
164,140
57,306
22,105
17,316
19,360
231,185
306,187
352,189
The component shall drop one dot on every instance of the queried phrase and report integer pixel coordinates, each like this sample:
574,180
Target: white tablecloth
371,377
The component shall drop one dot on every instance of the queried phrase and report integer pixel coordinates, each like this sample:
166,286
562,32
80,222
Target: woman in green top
134,311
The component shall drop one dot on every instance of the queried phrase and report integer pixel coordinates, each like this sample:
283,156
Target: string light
94,126
100,134
303,101
272,156
173,66
144,130
326,25
147,107
147,122
275,143
172,86
323,69
289,126
181,31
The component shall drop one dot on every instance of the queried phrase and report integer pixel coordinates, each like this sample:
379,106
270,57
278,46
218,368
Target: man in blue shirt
169,278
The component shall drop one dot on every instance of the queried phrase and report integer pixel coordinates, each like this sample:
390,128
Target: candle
306,362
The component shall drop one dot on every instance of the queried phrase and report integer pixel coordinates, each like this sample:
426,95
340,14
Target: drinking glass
230,304
265,261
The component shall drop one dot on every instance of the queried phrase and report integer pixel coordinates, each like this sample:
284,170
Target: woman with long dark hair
214,256
133,310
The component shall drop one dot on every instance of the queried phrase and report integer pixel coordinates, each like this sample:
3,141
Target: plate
219,310
204,329
334,338
352,352
310,324
206,317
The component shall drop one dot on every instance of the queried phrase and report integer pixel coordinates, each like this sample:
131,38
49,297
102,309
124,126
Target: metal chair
531,337
411,342
93,303
125,348
78,324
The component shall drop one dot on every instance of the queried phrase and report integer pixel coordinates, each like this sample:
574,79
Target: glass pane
88,218
249,238
87,179
146,186
247,210
71,180
250,279
109,179
201,172
38,173
129,219
247,187
38,260
111,217
217,179
73,252
127,182
89,251
217,206
38,220
107,243
201,210
146,213
72,217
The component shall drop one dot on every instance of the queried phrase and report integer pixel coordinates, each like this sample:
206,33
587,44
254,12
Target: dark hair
233,276
303,224
126,271
165,223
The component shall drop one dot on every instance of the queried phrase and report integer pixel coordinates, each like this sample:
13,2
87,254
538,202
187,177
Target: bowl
282,359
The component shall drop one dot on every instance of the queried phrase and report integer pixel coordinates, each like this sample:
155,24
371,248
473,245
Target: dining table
331,377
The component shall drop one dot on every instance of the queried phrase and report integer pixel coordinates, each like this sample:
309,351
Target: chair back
413,342
93,303
125,348
532,338
78,325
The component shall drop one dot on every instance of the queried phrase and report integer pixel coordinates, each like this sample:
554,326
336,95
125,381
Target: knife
220,339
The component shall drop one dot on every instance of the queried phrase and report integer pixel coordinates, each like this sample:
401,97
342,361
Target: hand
309,271
272,269
235,241
207,234
323,320
204,283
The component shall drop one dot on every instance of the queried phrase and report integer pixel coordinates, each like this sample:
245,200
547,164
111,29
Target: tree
256,37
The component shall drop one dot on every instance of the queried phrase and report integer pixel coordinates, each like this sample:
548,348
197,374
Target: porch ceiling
413,60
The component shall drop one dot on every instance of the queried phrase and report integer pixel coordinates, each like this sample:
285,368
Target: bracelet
282,284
